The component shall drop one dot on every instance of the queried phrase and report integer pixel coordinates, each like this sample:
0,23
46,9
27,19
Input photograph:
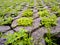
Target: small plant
6,20
54,8
0,34
49,41
48,37
32,3
13,13
58,13
43,13
49,21
18,7
28,13
24,21
18,38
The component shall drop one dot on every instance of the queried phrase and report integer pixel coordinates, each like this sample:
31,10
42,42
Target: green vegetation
31,3
24,21
18,38
49,39
43,13
58,13
51,2
6,10
49,21
6,20
10,9
0,34
54,8
28,13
